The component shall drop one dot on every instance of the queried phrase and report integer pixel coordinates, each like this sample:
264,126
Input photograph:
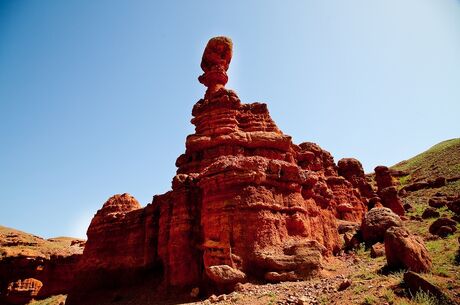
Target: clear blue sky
96,96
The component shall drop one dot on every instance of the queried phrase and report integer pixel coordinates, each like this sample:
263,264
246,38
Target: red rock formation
377,222
352,170
246,202
387,190
22,291
390,199
443,226
32,267
404,250
383,177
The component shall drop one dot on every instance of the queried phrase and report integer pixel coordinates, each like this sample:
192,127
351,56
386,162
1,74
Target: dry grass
17,243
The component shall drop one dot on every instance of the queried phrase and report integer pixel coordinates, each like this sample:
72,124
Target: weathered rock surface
404,250
419,185
22,291
430,212
224,274
443,226
376,222
352,170
33,267
244,197
414,282
383,177
386,189
408,207
377,250
391,200
454,206
437,202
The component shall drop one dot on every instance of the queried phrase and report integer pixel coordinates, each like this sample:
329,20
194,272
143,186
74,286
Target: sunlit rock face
246,202
32,267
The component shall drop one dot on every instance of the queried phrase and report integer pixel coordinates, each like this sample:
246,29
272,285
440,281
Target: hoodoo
246,203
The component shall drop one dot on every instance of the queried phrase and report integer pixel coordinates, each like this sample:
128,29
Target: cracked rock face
246,202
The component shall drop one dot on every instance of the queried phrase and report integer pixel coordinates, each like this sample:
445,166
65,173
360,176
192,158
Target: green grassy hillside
443,159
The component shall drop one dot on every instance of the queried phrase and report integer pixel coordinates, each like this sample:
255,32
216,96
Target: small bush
389,296
369,300
423,298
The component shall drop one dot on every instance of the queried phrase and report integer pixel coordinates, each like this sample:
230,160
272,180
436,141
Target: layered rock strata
34,268
246,202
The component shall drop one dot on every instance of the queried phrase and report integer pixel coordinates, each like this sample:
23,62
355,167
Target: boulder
303,259
390,199
277,277
383,177
415,186
376,222
456,218
344,284
344,226
377,250
454,206
438,182
443,227
404,250
430,213
23,291
414,283
408,207
225,275
419,185
437,202
351,241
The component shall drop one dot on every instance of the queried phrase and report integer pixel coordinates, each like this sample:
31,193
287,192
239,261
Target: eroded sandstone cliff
246,203
32,267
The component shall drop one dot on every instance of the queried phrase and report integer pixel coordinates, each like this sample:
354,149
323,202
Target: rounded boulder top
120,203
218,53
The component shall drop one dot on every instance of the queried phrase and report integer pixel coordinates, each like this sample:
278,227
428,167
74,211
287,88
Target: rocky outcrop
352,170
404,250
33,268
103,249
246,203
376,222
419,185
390,199
386,189
383,177
22,291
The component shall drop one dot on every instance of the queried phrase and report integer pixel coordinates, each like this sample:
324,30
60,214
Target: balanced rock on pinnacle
215,62
246,203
